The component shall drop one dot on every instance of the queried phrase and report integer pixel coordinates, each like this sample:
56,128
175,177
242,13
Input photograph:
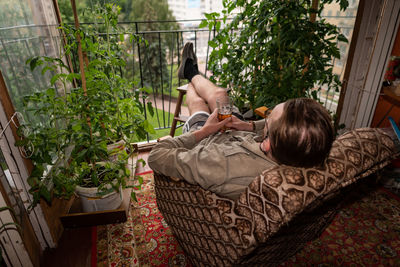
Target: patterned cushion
215,230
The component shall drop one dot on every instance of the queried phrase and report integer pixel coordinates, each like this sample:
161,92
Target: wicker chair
279,212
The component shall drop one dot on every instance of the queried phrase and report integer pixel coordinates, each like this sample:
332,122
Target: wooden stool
182,91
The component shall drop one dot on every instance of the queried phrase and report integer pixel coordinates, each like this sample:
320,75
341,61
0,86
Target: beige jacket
223,163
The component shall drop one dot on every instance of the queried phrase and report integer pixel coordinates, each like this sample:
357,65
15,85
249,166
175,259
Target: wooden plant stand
75,217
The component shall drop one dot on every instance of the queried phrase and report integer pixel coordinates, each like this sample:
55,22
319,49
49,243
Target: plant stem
80,55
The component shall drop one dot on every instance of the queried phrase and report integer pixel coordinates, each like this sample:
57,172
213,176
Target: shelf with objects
388,105
389,99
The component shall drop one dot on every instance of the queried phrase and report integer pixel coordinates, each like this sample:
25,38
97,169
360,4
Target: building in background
178,8
189,14
193,9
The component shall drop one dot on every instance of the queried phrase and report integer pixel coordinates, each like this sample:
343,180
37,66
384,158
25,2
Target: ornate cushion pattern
218,231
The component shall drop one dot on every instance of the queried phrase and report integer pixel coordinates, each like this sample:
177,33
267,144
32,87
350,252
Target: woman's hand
212,125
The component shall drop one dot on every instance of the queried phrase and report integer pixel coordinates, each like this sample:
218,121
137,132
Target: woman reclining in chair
298,132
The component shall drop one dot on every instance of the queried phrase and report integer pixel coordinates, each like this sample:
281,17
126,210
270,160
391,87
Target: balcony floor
75,246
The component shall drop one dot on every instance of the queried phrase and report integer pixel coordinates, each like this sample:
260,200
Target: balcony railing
153,66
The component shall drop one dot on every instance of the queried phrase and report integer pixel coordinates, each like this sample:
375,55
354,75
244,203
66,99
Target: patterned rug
366,232
391,180
144,240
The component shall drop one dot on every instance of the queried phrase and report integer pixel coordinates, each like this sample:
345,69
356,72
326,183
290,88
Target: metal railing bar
181,40
161,74
152,21
208,51
140,60
179,59
133,57
150,32
195,42
214,31
141,78
152,83
170,84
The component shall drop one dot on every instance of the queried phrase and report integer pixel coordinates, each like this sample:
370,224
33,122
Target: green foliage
146,12
81,123
271,51
86,10
157,120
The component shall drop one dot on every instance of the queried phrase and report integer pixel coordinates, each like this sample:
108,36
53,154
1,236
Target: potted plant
70,141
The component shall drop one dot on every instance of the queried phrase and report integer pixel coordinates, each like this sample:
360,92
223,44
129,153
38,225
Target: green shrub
271,51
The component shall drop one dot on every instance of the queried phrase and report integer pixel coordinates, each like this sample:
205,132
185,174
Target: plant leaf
133,196
212,43
150,108
203,23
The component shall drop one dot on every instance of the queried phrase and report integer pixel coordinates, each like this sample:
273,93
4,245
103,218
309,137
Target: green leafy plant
271,51
69,144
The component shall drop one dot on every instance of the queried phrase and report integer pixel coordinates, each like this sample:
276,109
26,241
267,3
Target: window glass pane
345,21
27,28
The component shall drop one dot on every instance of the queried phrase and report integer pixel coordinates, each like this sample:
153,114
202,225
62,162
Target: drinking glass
224,105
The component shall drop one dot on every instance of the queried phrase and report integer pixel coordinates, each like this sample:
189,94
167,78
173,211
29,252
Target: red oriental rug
366,232
144,239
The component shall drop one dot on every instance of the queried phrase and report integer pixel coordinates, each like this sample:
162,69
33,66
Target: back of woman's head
303,135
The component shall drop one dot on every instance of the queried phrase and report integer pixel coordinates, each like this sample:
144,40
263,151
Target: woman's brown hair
303,135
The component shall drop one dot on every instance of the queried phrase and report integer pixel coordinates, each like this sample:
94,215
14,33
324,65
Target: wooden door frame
30,240
377,23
